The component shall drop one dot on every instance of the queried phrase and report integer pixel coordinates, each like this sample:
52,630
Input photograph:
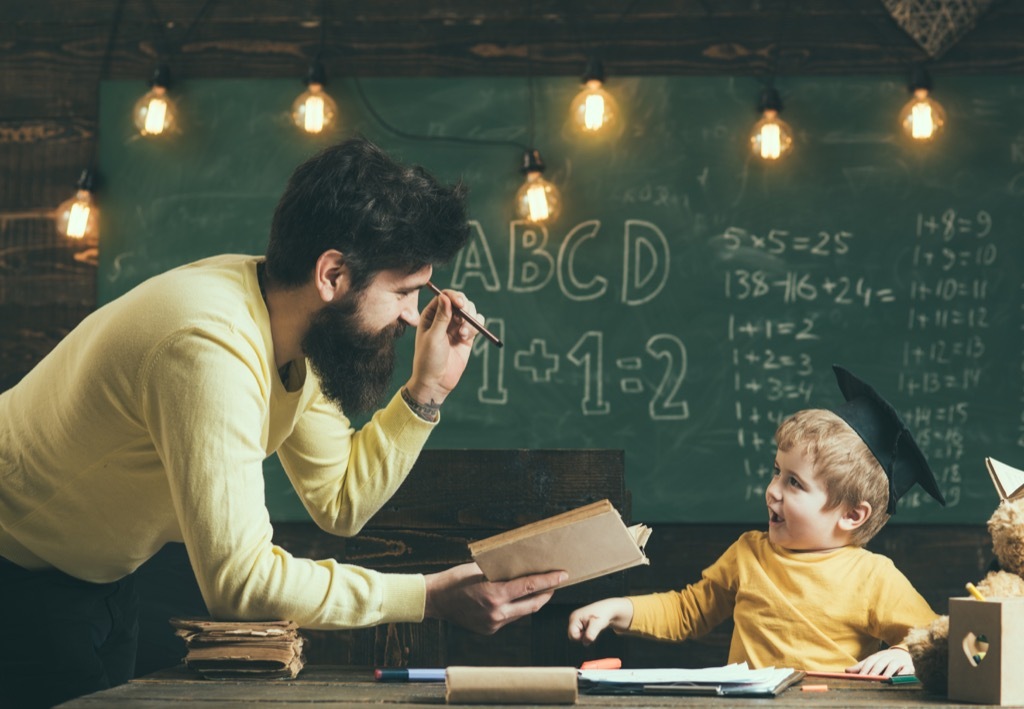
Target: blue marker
903,679
408,674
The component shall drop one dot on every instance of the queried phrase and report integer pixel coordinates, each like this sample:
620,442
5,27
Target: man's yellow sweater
149,424
820,611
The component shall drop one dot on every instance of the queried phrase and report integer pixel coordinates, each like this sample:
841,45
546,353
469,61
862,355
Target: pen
470,319
973,590
408,674
848,675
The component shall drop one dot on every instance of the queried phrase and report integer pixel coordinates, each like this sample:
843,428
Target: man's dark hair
380,214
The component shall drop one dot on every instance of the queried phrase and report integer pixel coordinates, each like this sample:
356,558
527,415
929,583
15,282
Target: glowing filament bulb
156,116
537,201
922,118
314,111
771,141
771,137
922,125
78,217
314,114
594,111
154,113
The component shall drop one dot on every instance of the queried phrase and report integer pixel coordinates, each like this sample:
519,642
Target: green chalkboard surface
689,296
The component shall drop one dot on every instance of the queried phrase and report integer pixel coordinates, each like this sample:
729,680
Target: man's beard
354,366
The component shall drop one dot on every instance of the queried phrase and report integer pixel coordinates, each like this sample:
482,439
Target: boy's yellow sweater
819,611
149,424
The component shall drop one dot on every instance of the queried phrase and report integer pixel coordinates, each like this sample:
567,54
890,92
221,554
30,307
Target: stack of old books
241,650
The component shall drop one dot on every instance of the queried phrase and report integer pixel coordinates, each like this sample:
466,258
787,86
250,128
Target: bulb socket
88,180
594,71
532,161
161,77
769,100
919,79
317,74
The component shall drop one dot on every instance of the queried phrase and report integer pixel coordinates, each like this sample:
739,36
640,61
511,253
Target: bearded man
150,421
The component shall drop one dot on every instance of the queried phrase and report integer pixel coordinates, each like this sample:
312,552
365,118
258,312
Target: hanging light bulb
594,111
537,200
155,114
78,217
922,118
771,137
314,111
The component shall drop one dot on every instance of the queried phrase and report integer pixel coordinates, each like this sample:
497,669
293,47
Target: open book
587,542
1008,480
732,680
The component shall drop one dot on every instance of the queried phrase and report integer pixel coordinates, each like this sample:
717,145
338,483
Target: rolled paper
511,685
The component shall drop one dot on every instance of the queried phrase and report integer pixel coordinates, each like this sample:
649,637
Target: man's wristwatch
428,412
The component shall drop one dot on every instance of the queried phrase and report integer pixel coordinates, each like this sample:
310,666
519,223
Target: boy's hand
586,623
893,661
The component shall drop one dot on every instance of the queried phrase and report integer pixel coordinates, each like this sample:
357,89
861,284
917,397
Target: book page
1009,481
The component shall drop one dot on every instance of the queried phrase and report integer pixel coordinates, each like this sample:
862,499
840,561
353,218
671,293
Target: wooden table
348,688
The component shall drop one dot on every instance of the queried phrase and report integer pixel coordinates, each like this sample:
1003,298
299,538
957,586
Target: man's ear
330,276
855,516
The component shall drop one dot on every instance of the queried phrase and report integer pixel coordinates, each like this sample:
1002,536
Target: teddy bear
929,646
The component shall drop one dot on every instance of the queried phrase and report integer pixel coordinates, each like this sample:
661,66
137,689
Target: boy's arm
698,608
897,607
678,615
675,615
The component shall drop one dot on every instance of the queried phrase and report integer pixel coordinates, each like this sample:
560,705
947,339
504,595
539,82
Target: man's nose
411,315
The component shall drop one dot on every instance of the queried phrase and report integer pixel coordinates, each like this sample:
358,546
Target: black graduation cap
881,428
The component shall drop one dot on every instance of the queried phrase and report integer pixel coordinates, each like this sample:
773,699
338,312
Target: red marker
607,663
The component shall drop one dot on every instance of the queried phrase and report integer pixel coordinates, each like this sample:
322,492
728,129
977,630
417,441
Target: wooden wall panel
47,284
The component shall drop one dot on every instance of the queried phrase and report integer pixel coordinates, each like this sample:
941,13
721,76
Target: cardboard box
992,674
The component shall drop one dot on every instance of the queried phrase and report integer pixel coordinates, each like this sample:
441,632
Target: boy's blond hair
846,466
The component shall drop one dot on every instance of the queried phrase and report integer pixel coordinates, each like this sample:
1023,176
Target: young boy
806,594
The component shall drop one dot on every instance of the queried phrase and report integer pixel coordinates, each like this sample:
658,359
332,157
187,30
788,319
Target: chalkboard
690,296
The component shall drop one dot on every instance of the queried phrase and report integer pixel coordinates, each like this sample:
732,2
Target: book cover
587,542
